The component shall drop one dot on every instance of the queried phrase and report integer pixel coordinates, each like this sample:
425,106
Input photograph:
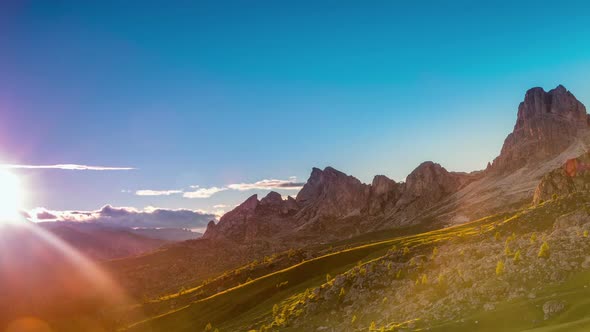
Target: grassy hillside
347,287
221,309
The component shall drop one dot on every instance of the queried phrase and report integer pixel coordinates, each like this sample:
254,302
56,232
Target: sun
11,197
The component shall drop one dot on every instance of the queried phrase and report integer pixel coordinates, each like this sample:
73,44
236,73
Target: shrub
441,279
544,250
517,256
424,280
342,292
363,272
497,236
554,196
585,233
406,250
372,327
328,277
533,238
500,268
208,327
434,252
291,253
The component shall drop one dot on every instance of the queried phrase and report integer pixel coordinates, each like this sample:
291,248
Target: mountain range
550,128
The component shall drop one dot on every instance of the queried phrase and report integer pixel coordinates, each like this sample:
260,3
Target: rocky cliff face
547,124
573,176
255,219
331,193
429,182
234,223
384,194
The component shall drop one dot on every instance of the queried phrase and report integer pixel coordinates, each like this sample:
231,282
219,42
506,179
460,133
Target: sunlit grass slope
251,305
252,301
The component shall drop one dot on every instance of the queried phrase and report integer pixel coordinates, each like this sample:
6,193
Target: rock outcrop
384,194
573,176
254,219
547,124
234,223
331,193
428,183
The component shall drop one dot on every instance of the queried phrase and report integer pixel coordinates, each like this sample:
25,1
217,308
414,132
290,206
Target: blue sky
218,93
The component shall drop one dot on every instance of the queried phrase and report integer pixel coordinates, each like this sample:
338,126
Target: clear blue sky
219,92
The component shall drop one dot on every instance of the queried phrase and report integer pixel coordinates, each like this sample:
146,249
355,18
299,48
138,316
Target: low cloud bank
129,217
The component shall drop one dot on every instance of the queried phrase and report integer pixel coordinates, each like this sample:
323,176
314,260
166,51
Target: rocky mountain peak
231,224
249,204
547,124
330,192
559,101
272,198
382,184
428,176
384,194
321,182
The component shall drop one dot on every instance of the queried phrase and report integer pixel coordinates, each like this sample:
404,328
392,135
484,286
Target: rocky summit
547,124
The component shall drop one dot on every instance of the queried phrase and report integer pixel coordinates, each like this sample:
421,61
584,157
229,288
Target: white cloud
148,192
71,167
268,184
198,192
203,192
219,206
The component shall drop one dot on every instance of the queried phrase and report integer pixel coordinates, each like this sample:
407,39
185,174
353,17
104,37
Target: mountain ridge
548,123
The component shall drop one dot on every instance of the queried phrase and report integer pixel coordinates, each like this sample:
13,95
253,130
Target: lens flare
11,197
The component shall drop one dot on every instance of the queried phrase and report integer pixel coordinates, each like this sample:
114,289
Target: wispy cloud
147,192
219,206
70,167
203,192
268,184
197,192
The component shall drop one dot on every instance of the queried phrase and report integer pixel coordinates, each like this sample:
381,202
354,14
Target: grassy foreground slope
444,280
250,300
526,314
